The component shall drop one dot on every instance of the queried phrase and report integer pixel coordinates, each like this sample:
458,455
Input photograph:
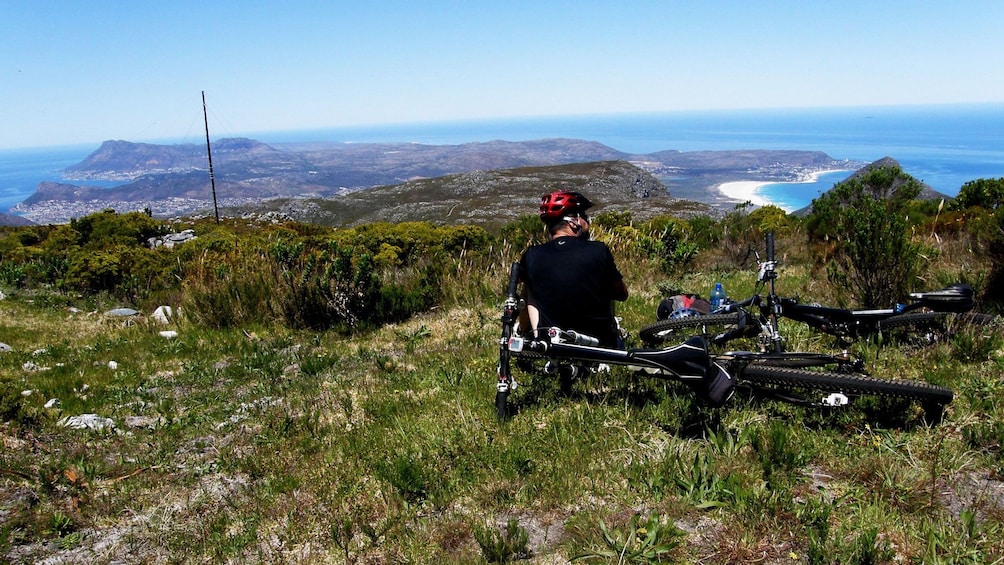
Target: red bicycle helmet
559,204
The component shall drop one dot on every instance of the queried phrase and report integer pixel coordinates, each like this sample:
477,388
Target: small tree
984,193
865,219
995,251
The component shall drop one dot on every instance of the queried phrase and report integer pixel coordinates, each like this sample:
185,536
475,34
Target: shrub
15,408
743,230
984,193
107,228
503,546
525,231
995,251
612,219
670,244
866,220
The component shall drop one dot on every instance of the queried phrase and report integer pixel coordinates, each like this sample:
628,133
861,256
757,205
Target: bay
22,169
944,146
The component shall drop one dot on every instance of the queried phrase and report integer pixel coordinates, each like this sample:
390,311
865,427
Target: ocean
944,146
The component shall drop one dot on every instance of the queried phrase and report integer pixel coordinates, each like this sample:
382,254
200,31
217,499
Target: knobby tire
941,324
768,375
666,330
913,320
502,405
510,314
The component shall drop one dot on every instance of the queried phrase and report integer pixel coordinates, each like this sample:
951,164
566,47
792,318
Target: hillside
173,180
488,198
135,440
926,192
12,220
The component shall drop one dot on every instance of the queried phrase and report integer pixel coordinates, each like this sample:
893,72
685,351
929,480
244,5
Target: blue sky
74,72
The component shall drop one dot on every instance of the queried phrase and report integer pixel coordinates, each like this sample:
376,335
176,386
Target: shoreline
749,190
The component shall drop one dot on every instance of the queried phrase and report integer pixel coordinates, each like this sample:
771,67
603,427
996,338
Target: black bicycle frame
841,322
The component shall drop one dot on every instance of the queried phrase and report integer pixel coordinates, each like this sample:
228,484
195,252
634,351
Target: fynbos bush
866,220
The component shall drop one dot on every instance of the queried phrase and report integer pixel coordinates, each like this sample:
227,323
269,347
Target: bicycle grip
770,246
513,281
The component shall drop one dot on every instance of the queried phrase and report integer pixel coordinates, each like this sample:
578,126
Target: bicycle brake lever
766,267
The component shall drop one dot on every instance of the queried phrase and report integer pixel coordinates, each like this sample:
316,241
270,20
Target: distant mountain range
173,180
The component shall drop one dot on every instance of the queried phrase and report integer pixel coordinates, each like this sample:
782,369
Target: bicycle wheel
502,405
970,321
677,329
937,325
767,375
798,360
914,320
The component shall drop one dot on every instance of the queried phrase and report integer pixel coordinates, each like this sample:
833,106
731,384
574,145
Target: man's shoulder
566,242
593,244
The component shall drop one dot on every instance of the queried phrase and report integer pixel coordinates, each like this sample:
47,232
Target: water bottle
717,297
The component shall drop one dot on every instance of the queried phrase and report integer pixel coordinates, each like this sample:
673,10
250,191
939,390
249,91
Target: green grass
268,445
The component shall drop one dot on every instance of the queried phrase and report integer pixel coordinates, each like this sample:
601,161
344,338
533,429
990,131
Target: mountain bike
930,315
788,376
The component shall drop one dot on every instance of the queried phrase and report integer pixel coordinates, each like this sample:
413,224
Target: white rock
169,334
163,314
88,421
113,365
52,403
122,312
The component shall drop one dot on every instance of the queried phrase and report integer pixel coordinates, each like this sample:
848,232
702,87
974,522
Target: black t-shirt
572,282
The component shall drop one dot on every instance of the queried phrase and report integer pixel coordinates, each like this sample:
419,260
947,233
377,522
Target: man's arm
529,316
620,291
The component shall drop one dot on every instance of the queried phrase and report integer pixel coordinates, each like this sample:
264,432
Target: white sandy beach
743,190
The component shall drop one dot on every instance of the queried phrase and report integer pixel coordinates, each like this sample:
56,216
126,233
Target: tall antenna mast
209,152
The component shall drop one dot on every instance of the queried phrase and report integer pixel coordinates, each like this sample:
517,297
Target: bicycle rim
768,375
671,329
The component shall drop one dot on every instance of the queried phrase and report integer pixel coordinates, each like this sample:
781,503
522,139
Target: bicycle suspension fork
510,313
772,338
